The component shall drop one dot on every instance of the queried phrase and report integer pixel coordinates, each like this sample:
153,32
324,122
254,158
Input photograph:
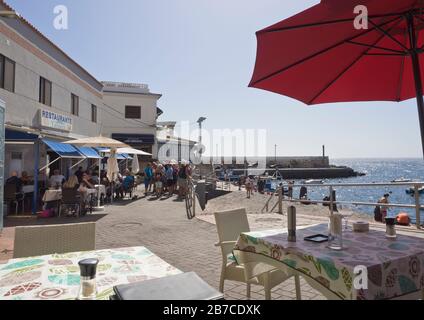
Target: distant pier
289,167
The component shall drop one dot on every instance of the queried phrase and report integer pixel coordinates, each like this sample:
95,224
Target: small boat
412,190
400,180
313,181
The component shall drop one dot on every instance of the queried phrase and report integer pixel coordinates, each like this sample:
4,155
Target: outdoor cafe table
57,276
28,188
395,267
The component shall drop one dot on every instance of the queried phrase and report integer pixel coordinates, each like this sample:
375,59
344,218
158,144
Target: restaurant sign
54,120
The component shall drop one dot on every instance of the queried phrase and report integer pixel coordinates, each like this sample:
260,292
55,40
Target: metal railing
332,202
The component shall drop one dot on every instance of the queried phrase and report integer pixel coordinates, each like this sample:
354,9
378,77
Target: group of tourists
166,179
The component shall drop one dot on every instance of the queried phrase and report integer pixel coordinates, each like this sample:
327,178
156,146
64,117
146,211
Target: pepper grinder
390,228
88,288
291,223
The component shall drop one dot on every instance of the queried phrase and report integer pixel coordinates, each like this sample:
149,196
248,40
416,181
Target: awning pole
82,160
36,160
48,165
417,73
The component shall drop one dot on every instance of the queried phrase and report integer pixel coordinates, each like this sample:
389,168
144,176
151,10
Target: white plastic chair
42,240
230,224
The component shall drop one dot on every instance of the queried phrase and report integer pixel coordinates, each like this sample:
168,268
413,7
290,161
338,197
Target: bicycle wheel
189,201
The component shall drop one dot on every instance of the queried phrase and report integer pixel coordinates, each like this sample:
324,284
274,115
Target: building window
93,113
7,73
74,104
45,92
132,112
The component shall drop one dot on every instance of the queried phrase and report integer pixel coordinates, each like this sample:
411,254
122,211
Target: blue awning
12,135
63,150
88,152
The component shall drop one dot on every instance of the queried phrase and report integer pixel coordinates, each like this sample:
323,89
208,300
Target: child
158,184
248,186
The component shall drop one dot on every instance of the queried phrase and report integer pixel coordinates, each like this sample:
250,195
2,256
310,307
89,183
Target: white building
49,98
170,146
130,114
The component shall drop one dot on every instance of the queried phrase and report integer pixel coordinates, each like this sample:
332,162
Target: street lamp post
199,121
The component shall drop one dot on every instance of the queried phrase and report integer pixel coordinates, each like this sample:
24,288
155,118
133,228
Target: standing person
152,181
158,183
182,181
148,175
380,212
248,184
169,173
290,189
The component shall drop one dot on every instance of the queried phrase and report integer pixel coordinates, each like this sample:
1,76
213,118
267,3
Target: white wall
115,122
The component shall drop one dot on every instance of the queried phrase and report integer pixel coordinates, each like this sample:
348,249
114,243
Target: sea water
376,170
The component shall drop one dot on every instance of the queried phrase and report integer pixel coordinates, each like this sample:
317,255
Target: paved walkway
162,226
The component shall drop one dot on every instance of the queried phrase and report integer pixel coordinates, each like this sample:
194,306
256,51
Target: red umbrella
318,56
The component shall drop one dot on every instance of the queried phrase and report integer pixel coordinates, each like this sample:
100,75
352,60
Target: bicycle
190,200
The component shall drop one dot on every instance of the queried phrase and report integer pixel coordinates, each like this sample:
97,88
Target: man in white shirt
56,179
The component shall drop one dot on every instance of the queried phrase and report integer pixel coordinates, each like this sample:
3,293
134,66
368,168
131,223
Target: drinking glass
335,235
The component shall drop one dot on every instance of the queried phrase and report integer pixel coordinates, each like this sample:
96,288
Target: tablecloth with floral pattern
395,267
57,276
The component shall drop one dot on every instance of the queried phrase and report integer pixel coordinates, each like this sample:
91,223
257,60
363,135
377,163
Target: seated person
15,181
95,178
25,178
72,183
56,180
86,182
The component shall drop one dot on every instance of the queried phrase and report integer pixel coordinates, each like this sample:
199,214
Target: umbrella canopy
99,141
130,151
135,165
112,167
319,56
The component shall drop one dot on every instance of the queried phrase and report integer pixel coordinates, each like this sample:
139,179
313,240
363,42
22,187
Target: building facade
46,93
49,98
130,114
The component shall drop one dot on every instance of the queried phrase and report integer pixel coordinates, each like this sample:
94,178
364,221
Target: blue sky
200,55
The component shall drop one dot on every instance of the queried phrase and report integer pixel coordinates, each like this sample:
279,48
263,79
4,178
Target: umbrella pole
417,73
